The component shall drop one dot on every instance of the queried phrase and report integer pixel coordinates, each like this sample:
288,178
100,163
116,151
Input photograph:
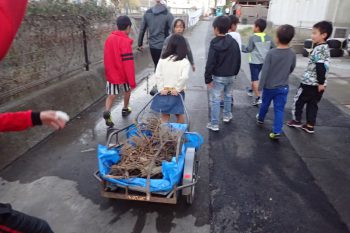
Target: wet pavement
248,183
54,180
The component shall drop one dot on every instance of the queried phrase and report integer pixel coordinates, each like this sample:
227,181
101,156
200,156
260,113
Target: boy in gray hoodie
178,27
258,47
158,21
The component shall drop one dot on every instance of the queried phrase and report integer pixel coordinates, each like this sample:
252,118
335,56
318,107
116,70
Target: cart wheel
190,174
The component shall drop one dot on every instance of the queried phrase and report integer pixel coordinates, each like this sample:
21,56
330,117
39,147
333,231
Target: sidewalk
338,90
327,153
259,185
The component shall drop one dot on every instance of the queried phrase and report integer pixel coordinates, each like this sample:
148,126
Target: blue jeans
279,97
221,84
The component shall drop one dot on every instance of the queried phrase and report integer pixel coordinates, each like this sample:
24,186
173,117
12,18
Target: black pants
15,221
310,96
155,53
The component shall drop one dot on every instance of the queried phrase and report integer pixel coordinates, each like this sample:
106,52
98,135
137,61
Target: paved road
248,183
54,180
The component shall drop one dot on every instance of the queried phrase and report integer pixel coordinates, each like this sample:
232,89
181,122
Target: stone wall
46,69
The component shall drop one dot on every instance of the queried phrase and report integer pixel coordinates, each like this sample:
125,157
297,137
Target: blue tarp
172,171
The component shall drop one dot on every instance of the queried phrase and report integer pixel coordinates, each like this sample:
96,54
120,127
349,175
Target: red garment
119,59
11,15
7,229
15,121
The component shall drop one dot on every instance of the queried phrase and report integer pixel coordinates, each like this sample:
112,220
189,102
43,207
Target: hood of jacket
222,43
121,34
159,9
173,26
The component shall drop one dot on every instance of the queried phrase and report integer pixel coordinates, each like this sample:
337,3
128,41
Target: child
235,35
179,27
278,65
119,67
233,30
314,81
171,76
259,45
224,62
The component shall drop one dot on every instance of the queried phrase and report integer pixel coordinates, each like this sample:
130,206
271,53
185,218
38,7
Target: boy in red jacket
119,67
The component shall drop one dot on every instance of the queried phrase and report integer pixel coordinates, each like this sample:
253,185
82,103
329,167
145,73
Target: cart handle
181,187
97,176
149,102
115,132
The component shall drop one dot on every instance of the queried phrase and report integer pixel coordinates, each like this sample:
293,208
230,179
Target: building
305,13
253,2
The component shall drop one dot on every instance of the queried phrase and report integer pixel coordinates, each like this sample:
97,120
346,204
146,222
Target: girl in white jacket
171,76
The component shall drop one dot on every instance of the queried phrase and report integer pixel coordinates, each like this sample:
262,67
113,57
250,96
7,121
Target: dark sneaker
108,119
308,129
274,136
257,101
295,124
260,122
126,111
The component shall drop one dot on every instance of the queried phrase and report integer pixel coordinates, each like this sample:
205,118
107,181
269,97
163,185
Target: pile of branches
142,156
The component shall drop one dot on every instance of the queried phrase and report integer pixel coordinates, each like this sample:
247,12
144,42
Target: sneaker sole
227,121
126,114
294,126
275,138
215,130
308,131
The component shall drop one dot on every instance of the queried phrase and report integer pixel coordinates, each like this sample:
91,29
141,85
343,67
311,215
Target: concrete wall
71,94
299,13
338,12
303,14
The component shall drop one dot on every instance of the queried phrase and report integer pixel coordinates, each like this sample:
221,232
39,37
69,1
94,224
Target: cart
181,182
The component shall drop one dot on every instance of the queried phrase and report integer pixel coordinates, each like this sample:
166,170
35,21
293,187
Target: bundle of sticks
142,155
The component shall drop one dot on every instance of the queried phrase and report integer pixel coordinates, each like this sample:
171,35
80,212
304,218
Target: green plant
88,9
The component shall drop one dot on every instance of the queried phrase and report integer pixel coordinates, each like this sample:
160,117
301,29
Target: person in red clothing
119,67
11,16
12,221
18,121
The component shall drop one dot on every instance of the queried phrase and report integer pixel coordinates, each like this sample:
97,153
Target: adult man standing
158,21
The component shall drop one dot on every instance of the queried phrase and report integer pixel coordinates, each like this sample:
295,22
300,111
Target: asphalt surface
55,180
248,183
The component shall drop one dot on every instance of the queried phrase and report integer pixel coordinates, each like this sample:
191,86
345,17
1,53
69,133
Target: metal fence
48,47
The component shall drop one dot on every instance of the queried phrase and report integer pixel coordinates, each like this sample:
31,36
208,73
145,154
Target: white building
305,13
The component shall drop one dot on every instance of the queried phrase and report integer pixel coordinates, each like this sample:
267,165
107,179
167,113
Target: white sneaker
213,127
227,119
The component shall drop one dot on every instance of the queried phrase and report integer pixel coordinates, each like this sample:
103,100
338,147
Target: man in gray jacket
158,21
